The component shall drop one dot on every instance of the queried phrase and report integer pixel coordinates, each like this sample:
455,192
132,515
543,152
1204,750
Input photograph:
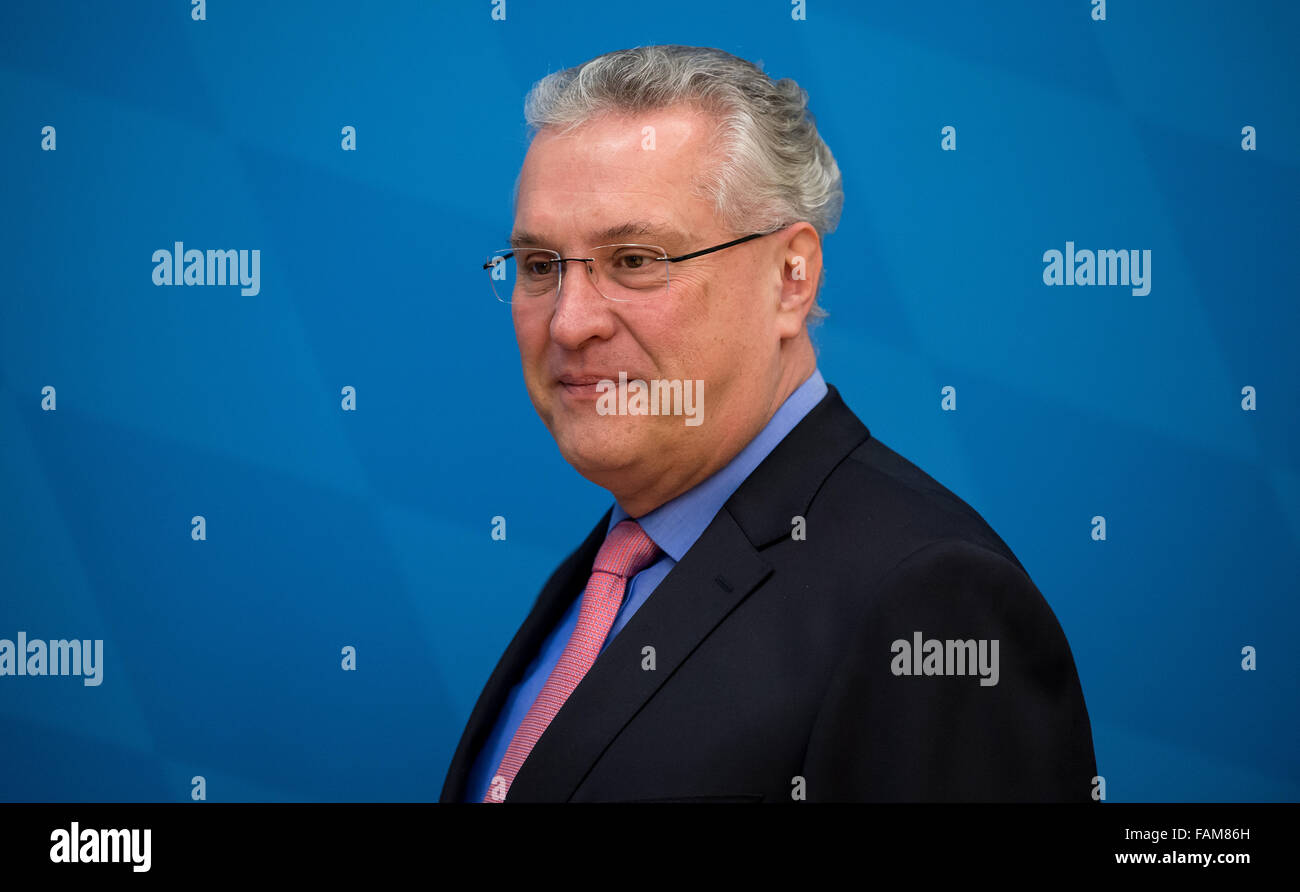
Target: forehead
624,175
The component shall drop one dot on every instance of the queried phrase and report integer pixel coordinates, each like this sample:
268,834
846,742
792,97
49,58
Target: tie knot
626,551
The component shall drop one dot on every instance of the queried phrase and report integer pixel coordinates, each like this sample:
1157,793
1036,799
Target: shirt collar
675,525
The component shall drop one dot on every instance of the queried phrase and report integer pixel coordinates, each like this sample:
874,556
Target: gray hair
775,168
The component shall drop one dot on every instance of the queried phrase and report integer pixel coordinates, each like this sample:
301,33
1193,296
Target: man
777,607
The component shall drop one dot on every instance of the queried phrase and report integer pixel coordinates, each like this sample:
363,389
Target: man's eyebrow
610,235
631,229
520,239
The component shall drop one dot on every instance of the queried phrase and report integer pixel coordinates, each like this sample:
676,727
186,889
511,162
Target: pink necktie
627,550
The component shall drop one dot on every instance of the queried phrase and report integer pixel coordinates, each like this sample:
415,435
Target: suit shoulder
908,481
903,549
889,501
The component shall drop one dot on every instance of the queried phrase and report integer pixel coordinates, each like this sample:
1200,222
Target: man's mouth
582,386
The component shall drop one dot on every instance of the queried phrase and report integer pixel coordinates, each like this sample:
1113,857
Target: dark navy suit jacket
776,663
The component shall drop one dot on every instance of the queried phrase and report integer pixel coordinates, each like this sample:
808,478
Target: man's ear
801,252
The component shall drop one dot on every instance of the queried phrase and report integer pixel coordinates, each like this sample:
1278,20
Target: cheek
674,338
729,336
746,311
719,320
698,314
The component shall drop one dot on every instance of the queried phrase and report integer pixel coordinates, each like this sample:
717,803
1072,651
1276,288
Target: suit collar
783,486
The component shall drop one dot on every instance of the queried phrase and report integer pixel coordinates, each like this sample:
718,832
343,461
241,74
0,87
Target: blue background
372,528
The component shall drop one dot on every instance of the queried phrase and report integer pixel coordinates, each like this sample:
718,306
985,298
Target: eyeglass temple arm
743,238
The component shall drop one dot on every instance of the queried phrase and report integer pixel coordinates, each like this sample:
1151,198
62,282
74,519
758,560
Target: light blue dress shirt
674,526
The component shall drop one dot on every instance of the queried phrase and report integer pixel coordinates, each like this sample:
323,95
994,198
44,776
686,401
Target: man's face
715,323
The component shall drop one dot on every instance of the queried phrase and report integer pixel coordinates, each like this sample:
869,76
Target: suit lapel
715,575
558,593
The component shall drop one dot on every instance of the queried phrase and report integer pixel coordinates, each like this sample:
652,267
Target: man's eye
539,267
631,260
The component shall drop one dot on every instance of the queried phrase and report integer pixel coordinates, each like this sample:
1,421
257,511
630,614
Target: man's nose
581,312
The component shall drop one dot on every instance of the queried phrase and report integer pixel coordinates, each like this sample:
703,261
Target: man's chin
596,450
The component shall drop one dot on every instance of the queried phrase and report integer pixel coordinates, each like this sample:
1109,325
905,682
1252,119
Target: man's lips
583,380
583,386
